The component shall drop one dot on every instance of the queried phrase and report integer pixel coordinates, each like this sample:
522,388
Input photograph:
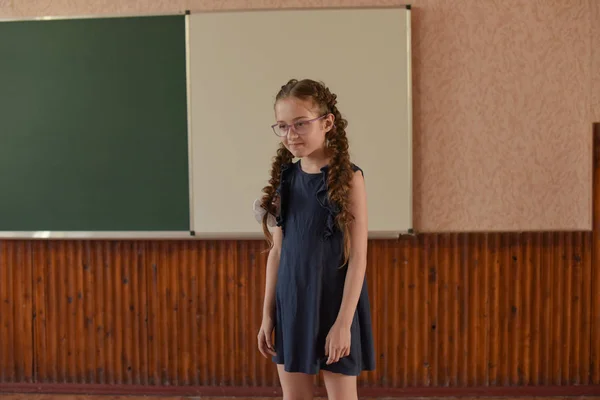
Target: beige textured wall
505,95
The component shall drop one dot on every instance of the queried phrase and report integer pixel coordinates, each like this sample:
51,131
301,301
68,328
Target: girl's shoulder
357,168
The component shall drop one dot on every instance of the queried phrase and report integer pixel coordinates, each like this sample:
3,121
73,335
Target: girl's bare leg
295,385
340,387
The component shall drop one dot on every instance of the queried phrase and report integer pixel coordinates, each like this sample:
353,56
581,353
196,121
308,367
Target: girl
316,295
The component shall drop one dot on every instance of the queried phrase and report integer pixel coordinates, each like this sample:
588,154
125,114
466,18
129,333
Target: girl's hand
337,343
264,337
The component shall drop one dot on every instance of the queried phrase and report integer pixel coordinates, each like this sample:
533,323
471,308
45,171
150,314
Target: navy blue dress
310,282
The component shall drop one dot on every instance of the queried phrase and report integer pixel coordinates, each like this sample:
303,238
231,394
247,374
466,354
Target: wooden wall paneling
16,312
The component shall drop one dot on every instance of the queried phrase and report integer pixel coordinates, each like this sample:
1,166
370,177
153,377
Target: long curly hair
336,143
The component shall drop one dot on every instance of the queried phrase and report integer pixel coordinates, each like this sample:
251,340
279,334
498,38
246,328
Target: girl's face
301,126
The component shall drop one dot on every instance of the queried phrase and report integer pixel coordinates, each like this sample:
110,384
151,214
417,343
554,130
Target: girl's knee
296,386
297,392
298,396
340,387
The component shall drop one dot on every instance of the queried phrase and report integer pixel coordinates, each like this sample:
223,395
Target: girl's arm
266,327
357,263
271,278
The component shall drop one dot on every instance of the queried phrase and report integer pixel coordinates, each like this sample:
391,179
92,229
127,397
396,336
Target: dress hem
328,369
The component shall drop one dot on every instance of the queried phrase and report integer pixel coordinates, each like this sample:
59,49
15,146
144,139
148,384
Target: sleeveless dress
310,282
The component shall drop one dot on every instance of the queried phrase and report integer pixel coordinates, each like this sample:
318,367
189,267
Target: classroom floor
110,397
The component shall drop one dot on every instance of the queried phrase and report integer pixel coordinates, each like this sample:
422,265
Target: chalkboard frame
124,234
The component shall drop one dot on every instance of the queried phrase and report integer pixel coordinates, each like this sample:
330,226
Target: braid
340,169
269,201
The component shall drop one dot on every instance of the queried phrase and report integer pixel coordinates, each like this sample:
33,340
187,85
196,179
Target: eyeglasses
301,127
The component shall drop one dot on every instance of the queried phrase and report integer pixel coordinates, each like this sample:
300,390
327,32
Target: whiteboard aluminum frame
153,235
409,120
243,235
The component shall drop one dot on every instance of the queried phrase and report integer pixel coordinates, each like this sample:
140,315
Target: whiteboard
237,62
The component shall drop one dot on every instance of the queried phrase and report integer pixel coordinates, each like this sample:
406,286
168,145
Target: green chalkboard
93,125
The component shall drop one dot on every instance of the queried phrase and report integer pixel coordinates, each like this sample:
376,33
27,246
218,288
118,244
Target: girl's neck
312,164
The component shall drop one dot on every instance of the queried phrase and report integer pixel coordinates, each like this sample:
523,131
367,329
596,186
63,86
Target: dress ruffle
282,192
322,195
323,199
